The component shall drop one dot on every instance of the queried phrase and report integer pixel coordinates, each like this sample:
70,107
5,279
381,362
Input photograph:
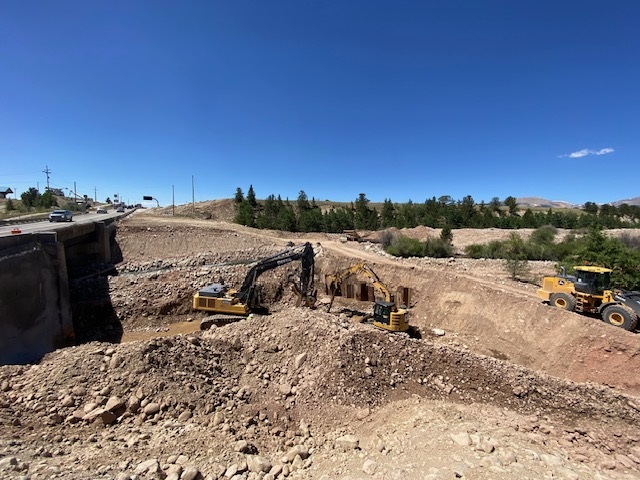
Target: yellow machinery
589,291
218,298
386,314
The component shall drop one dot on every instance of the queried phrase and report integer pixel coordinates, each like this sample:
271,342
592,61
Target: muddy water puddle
178,328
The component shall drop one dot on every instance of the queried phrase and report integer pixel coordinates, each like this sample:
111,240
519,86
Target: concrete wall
35,314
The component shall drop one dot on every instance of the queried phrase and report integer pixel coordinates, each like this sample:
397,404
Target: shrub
405,247
627,239
387,238
475,250
437,248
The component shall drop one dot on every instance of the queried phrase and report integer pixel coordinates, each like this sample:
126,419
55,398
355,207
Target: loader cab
592,280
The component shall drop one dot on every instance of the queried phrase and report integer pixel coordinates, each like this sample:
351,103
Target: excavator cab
389,317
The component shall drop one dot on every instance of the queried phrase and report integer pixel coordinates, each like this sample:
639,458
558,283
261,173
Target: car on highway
120,209
61,216
101,210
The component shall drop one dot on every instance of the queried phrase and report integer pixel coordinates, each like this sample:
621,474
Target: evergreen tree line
622,255
305,215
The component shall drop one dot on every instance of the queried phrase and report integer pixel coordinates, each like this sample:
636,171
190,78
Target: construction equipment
589,291
351,236
219,298
386,314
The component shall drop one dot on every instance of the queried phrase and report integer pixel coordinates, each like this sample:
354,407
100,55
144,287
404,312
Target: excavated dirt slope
498,386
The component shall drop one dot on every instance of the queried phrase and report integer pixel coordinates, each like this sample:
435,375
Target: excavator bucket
308,301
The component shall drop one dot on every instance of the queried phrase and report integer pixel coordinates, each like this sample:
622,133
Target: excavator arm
386,314
304,253
334,281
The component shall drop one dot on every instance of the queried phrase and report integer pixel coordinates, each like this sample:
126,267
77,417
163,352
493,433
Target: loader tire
565,301
620,316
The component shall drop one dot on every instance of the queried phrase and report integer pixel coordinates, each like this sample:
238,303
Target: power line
47,171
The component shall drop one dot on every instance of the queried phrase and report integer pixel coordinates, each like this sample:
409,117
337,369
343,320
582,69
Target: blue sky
401,100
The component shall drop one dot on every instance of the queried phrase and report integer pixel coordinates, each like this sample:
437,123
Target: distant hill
629,201
544,203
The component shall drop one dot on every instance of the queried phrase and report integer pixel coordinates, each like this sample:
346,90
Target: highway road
46,226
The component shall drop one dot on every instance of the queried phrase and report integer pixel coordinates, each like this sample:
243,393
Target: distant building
4,191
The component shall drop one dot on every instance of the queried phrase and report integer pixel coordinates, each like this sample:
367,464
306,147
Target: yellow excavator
386,314
219,298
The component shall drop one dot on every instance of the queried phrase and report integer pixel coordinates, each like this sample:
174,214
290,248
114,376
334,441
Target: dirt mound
221,210
269,389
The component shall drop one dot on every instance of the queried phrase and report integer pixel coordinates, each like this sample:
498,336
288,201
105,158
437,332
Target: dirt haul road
513,387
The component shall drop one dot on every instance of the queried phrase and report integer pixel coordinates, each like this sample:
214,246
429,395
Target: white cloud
586,151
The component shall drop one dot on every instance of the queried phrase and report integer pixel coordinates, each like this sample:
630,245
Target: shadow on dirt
94,318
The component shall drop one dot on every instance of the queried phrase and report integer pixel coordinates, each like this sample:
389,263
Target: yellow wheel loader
589,291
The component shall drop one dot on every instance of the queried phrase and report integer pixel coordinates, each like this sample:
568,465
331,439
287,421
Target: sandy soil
499,385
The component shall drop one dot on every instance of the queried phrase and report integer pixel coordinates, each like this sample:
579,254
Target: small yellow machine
589,291
386,314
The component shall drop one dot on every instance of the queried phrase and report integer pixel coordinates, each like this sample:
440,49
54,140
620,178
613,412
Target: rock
369,467
107,417
114,404
133,404
151,409
115,362
151,466
242,446
551,460
297,450
438,332
463,439
231,470
285,389
184,416
363,413
299,360
93,414
257,464
218,418
486,446
190,473
347,442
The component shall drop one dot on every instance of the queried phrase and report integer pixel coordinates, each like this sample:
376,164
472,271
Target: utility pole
75,195
95,194
47,171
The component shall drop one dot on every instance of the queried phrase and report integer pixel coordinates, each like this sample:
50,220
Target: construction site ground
496,385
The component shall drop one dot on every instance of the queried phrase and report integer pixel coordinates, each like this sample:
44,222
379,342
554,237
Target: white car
101,210
61,216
